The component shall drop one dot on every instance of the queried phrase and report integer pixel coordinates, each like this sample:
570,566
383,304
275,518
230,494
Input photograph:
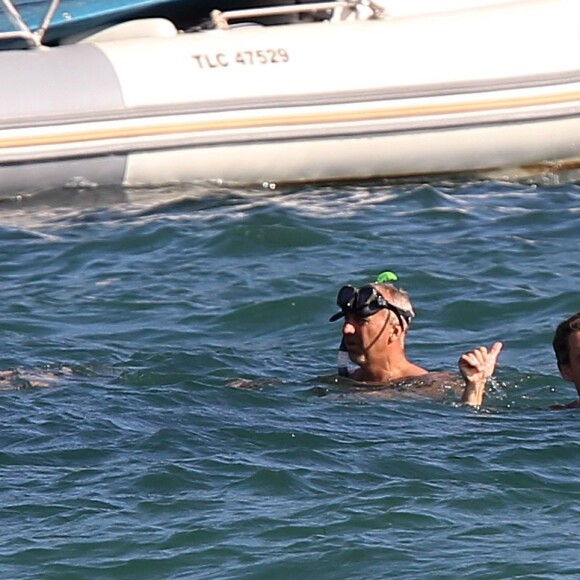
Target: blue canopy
73,16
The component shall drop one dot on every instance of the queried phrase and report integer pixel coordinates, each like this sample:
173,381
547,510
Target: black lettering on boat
243,57
279,55
205,61
221,59
263,56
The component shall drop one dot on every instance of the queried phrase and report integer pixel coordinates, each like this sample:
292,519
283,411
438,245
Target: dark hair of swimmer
561,336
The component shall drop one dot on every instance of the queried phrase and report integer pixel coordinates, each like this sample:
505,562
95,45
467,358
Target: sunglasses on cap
364,302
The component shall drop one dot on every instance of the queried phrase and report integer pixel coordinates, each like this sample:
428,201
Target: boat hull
270,104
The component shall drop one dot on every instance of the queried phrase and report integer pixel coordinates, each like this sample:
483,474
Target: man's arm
476,366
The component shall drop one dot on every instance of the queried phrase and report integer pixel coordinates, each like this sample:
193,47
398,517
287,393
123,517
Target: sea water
167,412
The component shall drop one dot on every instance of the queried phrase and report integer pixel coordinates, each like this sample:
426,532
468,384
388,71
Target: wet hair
397,297
560,342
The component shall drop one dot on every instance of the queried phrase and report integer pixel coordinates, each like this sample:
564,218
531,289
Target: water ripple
182,342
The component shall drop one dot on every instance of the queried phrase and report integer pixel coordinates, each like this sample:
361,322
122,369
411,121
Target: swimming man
376,321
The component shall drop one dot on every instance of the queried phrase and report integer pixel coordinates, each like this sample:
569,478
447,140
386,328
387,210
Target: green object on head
386,277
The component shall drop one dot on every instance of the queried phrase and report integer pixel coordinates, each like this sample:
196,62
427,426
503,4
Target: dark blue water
163,416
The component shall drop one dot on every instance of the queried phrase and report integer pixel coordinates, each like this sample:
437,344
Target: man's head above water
566,345
376,320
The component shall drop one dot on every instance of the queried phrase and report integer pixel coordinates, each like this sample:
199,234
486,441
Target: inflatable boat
286,92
